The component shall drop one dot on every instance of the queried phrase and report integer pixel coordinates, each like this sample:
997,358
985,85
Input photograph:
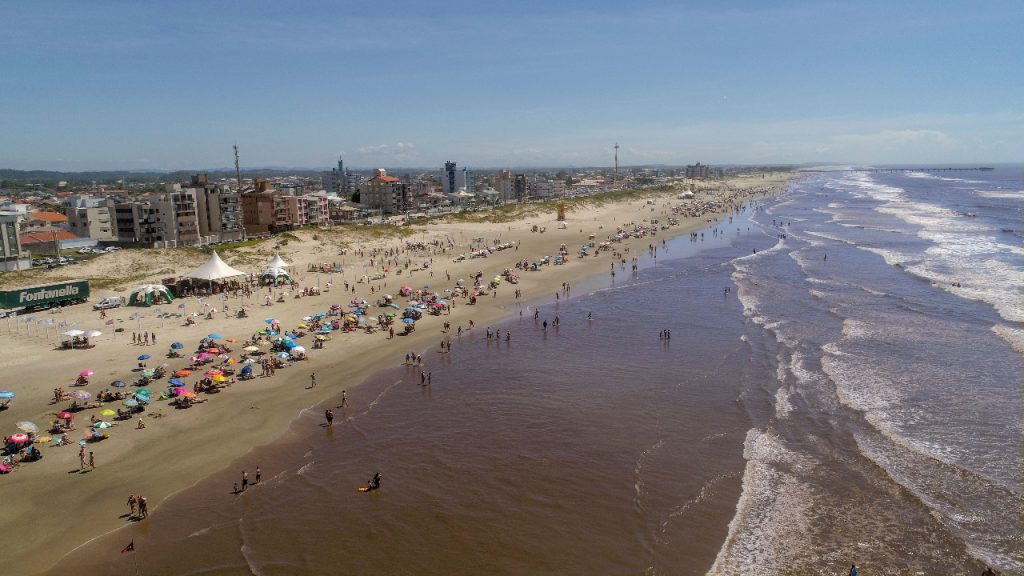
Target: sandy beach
53,507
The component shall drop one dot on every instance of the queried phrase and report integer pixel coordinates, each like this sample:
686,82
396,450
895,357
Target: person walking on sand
344,400
152,336
81,458
430,376
259,476
329,416
245,480
853,570
132,503
92,461
143,507
312,379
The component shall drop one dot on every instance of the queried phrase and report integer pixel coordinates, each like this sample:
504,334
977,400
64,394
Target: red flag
129,548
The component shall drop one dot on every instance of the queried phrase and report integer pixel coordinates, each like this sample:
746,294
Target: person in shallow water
372,483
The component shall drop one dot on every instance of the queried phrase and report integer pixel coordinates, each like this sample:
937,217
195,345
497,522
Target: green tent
149,294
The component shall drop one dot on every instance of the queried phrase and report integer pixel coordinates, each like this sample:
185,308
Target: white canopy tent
276,271
214,270
149,294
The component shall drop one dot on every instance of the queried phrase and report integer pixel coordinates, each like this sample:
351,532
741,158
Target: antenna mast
616,158
238,171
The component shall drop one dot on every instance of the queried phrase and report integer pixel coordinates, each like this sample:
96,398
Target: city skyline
120,86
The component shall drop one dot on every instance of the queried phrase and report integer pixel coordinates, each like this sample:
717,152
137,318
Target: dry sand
50,508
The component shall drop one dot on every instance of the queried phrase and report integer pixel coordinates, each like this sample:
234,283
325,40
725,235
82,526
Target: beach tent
276,271
214,270
149,294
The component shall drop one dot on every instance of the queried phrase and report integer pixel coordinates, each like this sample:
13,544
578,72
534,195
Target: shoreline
276,411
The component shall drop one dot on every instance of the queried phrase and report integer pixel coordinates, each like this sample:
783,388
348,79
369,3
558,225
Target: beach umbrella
5,395
118,383
85,373
251,349
131,403
177,346
213,336
219,378
321,338
303,326
143,357
19,438
249,361
101,424
65,415
297,351
187,393
269,320
182,373
73,333
246,370
175,382
291,335
27,427
325,330
283,356
213,350
93,333
213,373
81,395
408,321
147,373
46,439
107,412
271,332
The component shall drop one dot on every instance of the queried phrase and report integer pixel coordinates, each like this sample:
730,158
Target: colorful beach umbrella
284,356
102,424
251,349
147,373
218,378
19,438
118,383
213,336
212,373
177,346
93,333
65,415
86,373
107,412
175,382
5,395
27,427
182,373
143,357
131,402
81,395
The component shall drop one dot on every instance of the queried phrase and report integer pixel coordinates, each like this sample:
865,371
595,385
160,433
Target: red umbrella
213,373
19,438
213,350
65,415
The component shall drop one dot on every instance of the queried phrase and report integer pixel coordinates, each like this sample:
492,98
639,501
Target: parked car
107,303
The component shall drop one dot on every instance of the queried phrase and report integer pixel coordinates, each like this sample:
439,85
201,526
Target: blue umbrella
290,335
213,336
118,383
246,370
325,330
131,402
408,321
175,382
288,344
177,346
5,394
284,356
268,320
144,357
271,332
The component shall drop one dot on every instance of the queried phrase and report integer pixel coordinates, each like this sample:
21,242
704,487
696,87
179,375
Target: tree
355,196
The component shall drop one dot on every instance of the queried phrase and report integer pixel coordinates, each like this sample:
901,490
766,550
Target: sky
129,85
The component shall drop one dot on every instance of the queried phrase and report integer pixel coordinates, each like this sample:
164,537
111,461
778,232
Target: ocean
854,398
